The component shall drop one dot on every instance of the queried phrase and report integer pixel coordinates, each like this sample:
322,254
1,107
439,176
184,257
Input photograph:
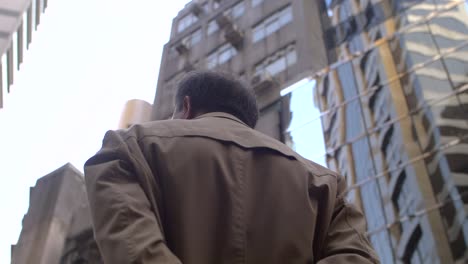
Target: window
212,61
195,37
258,34
272,27
192,39
186,22
277,66
212,27
286,16
220,55
225,54
189,41
206,7
278,62
272,24
256,2
216,4
237,10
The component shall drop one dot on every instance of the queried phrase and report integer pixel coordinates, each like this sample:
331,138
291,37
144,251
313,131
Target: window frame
186,21
280,58
256,3
277,20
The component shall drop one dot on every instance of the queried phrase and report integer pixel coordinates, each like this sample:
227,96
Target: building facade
394,104
57,227
135,112
257,40
18,18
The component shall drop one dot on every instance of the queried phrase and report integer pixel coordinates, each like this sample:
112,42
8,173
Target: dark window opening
397,189
386,139
458,162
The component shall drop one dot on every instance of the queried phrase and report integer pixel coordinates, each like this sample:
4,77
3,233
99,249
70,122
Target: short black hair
211,91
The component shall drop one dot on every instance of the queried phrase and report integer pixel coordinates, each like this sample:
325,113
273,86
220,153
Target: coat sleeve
346,241
126,227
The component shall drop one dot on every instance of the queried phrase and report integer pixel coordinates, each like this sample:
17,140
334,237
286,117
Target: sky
86,60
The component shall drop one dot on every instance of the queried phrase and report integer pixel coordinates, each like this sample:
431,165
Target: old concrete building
269,44
57,227
18,18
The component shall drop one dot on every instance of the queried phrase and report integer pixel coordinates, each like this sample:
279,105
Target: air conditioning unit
188,66
196,8
223,20
234,36
182,47
262,82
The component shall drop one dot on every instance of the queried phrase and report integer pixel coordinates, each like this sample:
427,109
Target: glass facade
394,107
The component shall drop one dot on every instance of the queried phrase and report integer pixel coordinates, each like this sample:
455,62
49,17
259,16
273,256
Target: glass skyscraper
394,110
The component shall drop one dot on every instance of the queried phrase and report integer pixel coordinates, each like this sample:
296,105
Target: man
206,188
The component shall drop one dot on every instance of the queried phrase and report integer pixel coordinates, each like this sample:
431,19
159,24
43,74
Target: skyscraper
258,40
395,103
18,18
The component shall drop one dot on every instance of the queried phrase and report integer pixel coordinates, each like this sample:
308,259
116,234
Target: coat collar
221,115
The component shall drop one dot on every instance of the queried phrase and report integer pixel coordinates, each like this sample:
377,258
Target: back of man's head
207,91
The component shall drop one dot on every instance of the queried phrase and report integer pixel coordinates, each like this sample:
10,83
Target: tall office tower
268,43
18,18
395,118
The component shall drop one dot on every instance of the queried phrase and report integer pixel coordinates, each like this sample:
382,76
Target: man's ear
188,112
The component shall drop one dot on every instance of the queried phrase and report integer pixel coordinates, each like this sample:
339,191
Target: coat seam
354,229
139,139
241,233
124,221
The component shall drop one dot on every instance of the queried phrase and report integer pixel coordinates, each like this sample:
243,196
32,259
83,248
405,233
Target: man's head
203,92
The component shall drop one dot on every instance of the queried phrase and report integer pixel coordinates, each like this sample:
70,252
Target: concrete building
257,40
57,227
18,18
135,112
394,111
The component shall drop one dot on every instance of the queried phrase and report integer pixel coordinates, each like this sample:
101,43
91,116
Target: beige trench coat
212,190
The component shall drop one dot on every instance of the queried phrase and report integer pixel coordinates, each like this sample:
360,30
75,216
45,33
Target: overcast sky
87,59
